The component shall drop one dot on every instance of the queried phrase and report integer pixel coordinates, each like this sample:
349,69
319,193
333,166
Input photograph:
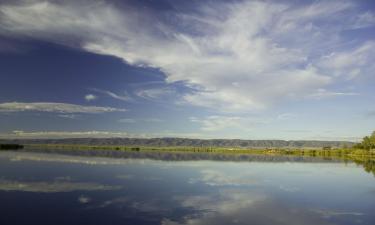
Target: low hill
164,142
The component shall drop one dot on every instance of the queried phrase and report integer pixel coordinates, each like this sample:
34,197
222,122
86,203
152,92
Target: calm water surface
49,188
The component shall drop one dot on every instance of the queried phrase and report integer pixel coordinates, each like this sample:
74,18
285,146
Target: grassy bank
362,157
299,152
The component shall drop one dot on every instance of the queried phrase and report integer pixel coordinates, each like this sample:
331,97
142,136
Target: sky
288,70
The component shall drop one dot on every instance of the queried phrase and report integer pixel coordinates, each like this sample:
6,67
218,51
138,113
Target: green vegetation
368,143
361,157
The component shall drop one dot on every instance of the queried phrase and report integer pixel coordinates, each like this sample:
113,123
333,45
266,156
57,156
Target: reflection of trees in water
368,163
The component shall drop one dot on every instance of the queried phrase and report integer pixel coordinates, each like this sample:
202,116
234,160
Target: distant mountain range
165,142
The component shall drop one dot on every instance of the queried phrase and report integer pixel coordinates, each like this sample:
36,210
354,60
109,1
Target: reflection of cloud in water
289,189
327,213
125,176
130,176
226,201
53,186
149,205
84,199
242,207
218,178
52,157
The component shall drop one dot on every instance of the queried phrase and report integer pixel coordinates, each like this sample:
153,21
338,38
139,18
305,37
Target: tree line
368,143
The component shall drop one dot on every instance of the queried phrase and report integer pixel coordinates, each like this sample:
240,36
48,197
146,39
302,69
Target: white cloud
238,56
215,123
350,63
53,107
90,97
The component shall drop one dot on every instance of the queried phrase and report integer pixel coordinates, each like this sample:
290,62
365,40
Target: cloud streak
125,97
53,107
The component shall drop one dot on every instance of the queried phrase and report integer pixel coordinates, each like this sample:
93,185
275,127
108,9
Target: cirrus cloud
238,56
53,107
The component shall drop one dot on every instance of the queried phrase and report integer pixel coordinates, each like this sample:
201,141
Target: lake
58,187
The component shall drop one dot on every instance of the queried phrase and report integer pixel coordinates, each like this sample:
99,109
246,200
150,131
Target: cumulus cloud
54,107
238,56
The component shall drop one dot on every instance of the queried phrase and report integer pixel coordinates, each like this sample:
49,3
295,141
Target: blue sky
199,69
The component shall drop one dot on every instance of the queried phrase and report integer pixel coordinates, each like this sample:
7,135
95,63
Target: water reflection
231,206
137,189
53,186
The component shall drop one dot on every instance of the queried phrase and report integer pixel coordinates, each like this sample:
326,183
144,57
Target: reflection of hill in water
184,156
119,157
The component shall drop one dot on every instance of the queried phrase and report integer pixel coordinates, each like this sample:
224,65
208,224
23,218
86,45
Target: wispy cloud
364,20
123,97
238,56
322,93
69,134
155,93
216,123
53,107
68,116
286,116
20,134
350,63
131,120
127,120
